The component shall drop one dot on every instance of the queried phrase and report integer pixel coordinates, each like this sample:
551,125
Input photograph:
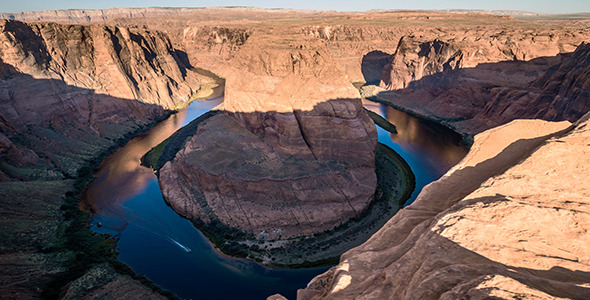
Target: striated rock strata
70,94
448,82
67,88
293,153
509,221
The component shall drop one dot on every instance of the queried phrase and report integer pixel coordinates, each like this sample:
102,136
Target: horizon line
300,9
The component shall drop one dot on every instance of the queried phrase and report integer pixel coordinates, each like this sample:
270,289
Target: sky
540,6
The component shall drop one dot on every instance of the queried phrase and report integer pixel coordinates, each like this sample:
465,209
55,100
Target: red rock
508,220
292,156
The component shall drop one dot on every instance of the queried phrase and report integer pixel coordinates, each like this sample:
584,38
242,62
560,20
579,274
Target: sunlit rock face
472,87
292,153
72,89
508,220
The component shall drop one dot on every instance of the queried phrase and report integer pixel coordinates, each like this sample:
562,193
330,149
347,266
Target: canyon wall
509,221
473,99
69,88
71,91
293,152
70,94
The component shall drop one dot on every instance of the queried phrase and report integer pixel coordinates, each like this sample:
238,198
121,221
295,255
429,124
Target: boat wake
186,249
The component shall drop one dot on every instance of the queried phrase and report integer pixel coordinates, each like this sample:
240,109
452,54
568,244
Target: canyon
72,92
508,221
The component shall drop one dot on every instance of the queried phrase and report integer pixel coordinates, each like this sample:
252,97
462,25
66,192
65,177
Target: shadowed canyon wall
68,92
70,84
69,95
473,99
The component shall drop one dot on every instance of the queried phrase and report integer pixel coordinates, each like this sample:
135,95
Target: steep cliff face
413,60
356,47
65,85
116,61
508,221
292,154
425,53
69,94
473,99
565,88
561,93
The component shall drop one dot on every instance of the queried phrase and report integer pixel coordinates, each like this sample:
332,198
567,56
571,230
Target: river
428,147
155,241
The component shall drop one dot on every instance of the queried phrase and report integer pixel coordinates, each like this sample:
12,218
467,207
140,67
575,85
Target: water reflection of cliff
440,146
120,176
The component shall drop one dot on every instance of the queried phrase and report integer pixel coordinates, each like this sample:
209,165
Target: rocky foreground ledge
509,221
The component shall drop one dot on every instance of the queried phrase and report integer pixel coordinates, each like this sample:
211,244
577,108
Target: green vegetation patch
395,179
87,249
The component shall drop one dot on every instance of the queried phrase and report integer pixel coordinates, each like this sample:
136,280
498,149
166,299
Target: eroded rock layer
293,153
449,82
67,87
69,94
509,221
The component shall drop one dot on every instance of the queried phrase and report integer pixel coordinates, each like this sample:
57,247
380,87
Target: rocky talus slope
509,221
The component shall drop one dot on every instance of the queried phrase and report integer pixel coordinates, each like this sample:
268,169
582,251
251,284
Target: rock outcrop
508,221
473,99
71,83
292,154
412,61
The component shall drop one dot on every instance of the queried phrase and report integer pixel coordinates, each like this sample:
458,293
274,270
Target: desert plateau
275,153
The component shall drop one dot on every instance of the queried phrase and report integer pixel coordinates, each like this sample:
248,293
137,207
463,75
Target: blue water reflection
429,148
155,241
166,248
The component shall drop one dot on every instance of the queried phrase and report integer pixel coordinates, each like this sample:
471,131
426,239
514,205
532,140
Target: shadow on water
429,148
155,241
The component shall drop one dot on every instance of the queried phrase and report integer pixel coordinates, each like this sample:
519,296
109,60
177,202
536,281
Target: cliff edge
290,154
509,221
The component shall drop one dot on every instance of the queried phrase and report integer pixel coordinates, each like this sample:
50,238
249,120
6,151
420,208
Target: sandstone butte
71,92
